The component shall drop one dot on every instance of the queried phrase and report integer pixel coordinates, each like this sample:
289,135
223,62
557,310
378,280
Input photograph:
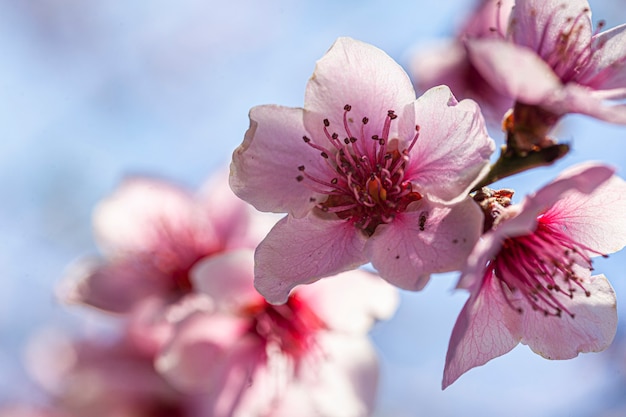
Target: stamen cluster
543,267
368,183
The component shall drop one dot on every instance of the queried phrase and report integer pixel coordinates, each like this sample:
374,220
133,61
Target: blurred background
93,91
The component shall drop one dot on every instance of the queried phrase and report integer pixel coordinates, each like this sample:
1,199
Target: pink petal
538,25
343,384
140,213
227,279
430,67
338,380
301,251
430,238
448,63
487,16
148,327
485,329
485,249
352,301
584,178
607,68
116,287
597,219
265,166
453,148
514,70
361,75
591,330
237,224
579,99
205,350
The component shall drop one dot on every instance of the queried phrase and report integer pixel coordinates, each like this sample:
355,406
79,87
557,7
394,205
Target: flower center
543,267
291,326
366,181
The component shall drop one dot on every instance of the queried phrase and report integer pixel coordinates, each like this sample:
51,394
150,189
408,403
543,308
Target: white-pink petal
351,301
205,350
236,223
361,75
591,330
607,68
264,167
142,212
343,385
514,70
96,283
301,251
539,25
575,98
453,148
582,178
227,279
485,329
596,220
430,238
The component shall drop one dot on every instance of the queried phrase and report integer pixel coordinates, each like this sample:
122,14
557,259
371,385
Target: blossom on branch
366,173
555,60
530,278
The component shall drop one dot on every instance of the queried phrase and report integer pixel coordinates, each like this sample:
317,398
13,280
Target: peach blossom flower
530,276
366,173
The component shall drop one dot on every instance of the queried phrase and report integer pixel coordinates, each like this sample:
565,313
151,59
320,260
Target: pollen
365,178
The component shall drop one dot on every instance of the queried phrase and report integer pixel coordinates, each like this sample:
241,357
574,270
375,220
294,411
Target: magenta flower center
366,180
291,326
543,267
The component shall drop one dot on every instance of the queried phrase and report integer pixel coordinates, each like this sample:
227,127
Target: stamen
365,184
536,264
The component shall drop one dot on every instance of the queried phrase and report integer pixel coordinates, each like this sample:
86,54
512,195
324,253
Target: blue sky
90,92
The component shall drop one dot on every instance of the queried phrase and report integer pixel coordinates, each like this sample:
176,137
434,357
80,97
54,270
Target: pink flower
307,357
529,277
448,63
151,233
554,59
364,172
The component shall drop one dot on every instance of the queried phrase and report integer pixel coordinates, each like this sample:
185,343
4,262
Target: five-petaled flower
530,276
307,357
366,173
553,59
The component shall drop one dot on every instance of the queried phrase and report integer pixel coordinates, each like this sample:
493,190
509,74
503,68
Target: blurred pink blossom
366,173
553,58
447,62
530,276
307,357
151,233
